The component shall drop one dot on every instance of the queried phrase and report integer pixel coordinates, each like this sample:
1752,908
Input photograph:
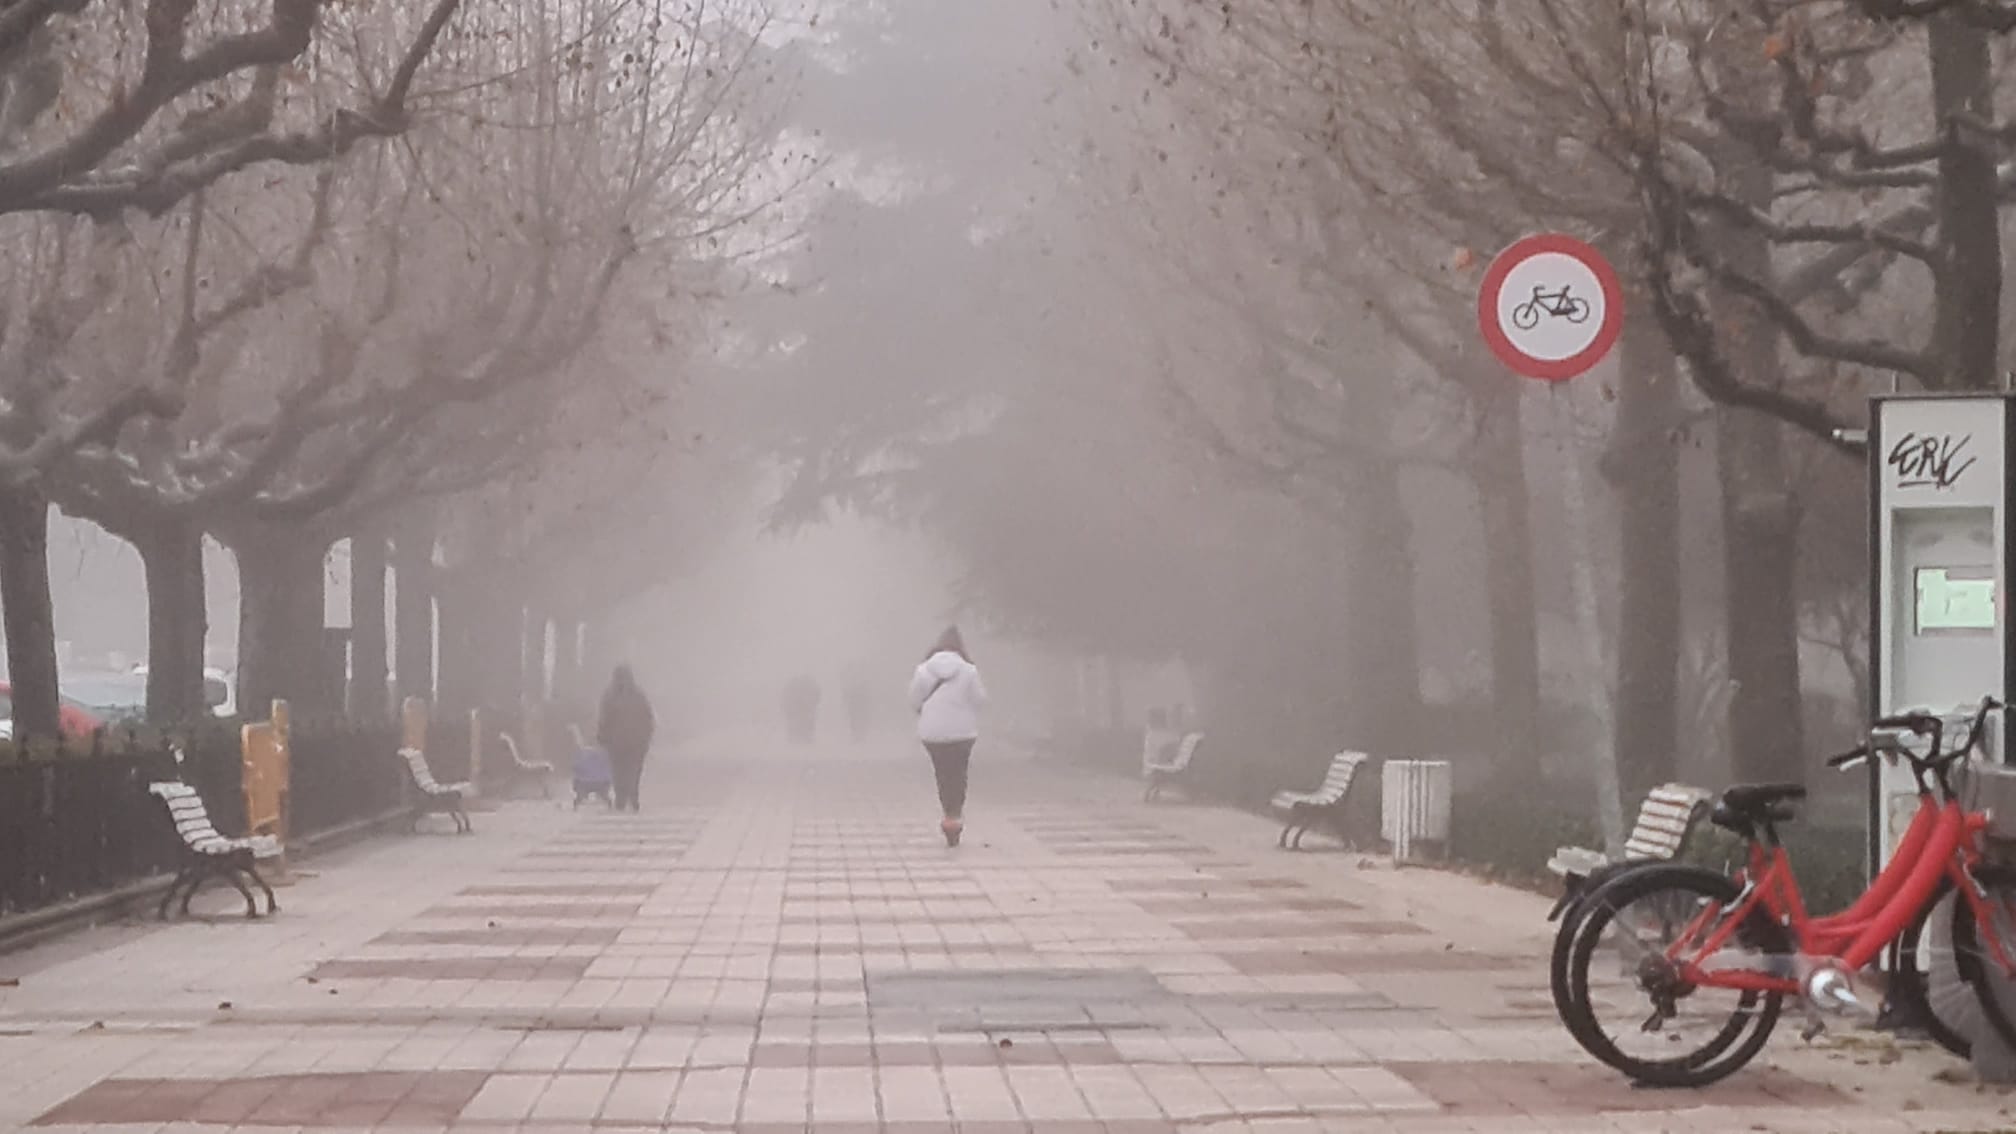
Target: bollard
283,767
263,759
476,751
413,724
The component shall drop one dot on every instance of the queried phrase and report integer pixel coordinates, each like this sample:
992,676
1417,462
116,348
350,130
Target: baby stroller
592,776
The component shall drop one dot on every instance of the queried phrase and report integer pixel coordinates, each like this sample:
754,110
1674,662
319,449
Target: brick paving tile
1277,928
726,965
1571,1089
454,968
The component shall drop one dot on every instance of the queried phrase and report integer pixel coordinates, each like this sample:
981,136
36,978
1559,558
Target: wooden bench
434,798
207,854
1160,770
1665,820
1305,809
538,771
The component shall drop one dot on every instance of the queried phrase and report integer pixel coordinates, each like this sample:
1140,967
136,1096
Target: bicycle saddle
1756,798
1746,807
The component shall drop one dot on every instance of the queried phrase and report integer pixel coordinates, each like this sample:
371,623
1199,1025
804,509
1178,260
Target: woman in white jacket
947,696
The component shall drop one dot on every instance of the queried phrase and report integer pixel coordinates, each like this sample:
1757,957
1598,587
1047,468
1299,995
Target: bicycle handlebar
1886,738
1919,723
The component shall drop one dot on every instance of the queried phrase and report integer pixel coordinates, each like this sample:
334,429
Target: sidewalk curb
26,930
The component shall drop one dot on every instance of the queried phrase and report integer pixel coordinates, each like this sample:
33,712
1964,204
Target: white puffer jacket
947,697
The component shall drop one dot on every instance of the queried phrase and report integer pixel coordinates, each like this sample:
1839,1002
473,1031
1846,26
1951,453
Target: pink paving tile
377,1098
1542,1089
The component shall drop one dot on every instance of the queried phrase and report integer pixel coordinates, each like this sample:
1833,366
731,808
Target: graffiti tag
1929,461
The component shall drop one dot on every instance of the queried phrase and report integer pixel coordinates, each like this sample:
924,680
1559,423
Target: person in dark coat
624,730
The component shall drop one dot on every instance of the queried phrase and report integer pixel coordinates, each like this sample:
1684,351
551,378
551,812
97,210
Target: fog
1143,346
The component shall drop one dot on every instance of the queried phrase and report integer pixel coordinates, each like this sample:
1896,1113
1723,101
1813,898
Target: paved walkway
790,946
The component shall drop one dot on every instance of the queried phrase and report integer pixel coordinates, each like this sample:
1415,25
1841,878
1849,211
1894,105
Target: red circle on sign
1550,369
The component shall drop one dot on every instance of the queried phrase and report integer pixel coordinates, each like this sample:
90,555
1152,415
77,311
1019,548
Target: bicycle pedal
1814,1026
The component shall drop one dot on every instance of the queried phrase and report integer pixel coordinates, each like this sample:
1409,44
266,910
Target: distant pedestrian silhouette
624,730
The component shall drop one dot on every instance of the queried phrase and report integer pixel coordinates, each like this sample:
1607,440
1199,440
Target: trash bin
1414,805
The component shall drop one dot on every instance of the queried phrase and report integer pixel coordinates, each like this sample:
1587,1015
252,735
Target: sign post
1551,308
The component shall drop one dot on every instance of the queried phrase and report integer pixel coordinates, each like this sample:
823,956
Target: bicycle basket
1991,788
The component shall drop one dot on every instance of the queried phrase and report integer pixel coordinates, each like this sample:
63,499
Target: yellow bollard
413,723
476,750
283,771
265,787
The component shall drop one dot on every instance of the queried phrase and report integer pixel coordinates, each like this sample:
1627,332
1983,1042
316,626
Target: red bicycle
1714,955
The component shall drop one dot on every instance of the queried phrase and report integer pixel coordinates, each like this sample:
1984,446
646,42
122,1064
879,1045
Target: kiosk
1941,506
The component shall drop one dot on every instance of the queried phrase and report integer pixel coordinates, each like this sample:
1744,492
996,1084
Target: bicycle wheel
1919,951
1975,958
1693,1035
1526,316
1570,925
1577,310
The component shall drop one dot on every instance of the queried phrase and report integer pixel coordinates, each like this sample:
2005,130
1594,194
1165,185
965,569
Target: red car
75,722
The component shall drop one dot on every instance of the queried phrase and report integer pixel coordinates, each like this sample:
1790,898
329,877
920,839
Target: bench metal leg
237,880
199,876
451,804
1296,842
182,877
1282,842
252,869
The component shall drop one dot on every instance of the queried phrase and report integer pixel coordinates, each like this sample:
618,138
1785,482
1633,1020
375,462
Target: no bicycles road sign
1550,307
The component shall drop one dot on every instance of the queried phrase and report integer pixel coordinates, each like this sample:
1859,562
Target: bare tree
452,287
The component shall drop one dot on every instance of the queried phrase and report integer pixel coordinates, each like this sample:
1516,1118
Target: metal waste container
1414,799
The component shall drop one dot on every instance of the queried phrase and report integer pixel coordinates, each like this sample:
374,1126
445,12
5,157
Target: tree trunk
1500,474
566,660
502,628
413,559
178,618
1760,544
28,613
459,681
1760,547
281,645
1643,470
598,654
1968,280
367,628
1385,657
532,658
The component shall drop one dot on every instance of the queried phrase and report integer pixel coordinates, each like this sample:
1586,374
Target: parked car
115,698
74,720
218,690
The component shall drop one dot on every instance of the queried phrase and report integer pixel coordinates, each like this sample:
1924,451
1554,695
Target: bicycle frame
1942,841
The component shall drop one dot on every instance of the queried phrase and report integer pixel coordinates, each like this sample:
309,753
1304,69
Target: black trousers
949,763
629,769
